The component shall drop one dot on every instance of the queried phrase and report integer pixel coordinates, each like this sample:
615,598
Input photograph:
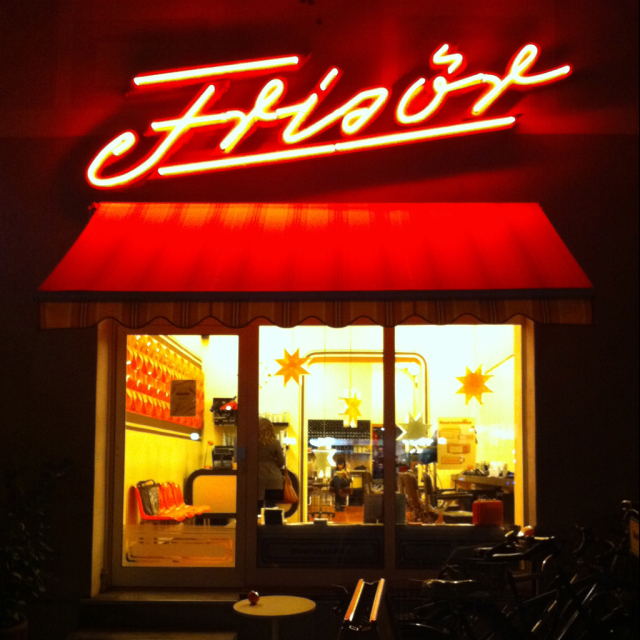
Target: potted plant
25,550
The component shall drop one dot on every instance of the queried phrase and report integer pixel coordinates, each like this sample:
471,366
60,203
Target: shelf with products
352,450
153,362
336,429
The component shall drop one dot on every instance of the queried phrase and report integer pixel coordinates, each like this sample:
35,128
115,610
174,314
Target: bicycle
478,598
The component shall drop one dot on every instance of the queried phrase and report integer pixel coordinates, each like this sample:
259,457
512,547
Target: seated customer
340,484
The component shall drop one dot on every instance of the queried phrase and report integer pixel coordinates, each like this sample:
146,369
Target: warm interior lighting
414,368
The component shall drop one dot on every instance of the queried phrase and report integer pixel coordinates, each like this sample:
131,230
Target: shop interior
458,391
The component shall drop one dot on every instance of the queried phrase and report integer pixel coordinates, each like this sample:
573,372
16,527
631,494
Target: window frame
109,466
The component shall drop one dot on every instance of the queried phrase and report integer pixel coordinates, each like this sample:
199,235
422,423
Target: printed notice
183,398
456,443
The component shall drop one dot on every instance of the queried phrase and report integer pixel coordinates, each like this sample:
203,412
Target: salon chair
422,510
457,504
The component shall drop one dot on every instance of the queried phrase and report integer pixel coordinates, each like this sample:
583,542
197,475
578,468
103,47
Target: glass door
178,498
321,416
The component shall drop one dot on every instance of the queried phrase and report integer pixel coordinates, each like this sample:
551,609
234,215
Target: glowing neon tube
217,71
371,142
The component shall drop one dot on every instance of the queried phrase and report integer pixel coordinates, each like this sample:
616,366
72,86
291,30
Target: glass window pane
180,476
321,389
458,409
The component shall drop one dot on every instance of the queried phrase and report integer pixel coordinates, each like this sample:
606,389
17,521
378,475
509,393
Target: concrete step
119,634
150,614
160,610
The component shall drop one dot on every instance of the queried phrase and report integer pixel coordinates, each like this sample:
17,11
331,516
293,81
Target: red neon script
268,109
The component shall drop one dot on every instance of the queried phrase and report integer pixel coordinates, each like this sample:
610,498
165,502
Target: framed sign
456,443
183,398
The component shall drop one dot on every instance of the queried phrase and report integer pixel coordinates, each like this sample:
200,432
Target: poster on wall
225,412
456,443
183,398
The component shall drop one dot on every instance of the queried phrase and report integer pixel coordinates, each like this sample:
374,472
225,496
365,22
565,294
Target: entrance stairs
159,614
106,634
139,614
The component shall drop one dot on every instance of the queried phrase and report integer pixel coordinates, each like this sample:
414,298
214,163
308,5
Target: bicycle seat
509,557
450,589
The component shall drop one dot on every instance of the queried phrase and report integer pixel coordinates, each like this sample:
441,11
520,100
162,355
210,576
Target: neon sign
268,109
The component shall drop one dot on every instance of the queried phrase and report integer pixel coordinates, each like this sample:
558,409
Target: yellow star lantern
473,384
352,412
291,367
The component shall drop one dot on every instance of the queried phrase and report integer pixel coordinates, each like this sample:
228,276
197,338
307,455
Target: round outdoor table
274,608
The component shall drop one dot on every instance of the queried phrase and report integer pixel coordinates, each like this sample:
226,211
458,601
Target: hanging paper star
414,430
324,458
291,367
473,384
353,409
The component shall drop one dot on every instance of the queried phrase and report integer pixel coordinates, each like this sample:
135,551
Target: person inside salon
340,484
271,460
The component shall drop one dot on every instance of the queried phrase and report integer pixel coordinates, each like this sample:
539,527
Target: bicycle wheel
472,624
486,626
604,617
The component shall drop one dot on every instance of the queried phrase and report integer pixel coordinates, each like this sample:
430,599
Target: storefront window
320,425
180,479
321,393
458,411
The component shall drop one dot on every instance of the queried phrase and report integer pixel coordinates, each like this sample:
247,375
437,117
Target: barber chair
422,510
457,505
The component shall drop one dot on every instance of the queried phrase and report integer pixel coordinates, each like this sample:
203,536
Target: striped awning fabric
136,315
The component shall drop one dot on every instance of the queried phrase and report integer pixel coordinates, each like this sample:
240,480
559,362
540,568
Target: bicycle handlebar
510,550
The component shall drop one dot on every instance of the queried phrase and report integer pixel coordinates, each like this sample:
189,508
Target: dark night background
65,71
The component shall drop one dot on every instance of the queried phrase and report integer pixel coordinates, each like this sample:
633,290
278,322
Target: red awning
257,253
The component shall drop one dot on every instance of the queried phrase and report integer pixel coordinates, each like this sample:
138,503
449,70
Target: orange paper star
291,367
473,385
353,409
